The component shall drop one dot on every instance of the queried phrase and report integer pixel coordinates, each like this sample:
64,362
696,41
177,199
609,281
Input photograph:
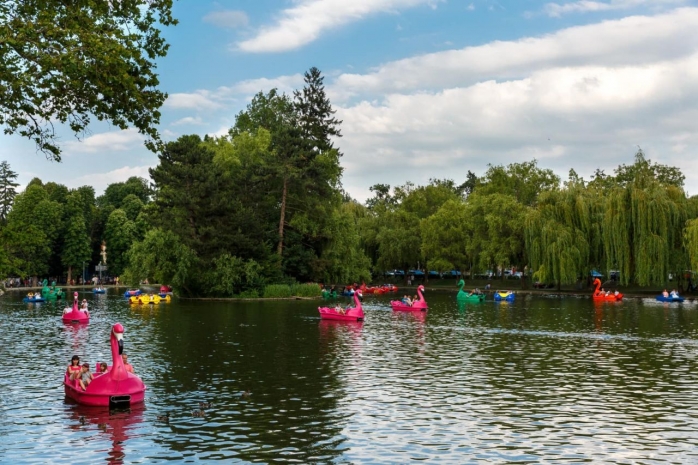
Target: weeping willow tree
691,242
559,234
643,231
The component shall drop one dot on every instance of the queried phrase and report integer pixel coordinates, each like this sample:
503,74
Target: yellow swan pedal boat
149,299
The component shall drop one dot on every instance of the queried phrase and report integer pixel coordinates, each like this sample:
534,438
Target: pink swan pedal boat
417,306
355,313
115,388
75,314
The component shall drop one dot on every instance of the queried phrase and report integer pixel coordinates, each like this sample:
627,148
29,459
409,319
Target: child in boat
128,367
103,367
339,309
83,306
415,299
84,376
74,366
665,293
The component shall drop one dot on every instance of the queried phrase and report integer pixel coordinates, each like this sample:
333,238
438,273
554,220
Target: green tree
119,234
343,258
445,237
164,258
76,245
8,190
67,61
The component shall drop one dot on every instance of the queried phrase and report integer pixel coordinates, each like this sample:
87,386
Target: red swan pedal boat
115,388
598,295
419,305
75,314
355,313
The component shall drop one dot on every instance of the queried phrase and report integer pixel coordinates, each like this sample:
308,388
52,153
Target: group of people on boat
409,302
604,292
674,294
82,373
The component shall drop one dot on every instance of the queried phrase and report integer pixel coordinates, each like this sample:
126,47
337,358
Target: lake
543,379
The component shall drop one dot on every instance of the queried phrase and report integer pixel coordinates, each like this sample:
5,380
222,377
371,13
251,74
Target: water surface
541,380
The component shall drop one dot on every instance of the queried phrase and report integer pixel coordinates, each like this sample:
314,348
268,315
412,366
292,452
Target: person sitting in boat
339,309
30,295
74,366
103,367
674,294
608,293
128,367
475,291
415,299
665,293
151,297
615,293
37,295
83,305
84,376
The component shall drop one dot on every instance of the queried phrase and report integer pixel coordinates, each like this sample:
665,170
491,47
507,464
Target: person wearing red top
74,366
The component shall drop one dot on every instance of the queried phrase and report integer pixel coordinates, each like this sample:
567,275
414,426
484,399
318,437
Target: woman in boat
665,293
74,366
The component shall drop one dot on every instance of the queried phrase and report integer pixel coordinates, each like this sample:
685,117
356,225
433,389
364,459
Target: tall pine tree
7,190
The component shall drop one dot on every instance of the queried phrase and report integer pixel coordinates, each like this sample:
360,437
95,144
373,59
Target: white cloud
581,98
199,100
586,6
250,87
230,19
631,40
100,181
189,120
222,131
303,23
115,141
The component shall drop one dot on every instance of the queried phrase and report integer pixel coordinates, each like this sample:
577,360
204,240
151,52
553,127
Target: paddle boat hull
148,299
353,314
99,291
609,297
33,299
127,392
76,316
132,292
471,298
661,298
399,306
504,296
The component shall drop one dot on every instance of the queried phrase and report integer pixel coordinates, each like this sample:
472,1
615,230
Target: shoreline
409,289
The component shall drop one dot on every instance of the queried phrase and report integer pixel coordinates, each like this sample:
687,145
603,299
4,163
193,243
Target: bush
306,290
277,291
293,290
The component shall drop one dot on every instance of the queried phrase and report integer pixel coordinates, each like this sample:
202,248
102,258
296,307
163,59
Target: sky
426,89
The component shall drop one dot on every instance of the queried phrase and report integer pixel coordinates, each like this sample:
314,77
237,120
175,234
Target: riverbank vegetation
256,211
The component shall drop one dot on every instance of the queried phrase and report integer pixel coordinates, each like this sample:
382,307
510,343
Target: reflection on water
541,379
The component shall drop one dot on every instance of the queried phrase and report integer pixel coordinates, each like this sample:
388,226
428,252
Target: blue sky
426,88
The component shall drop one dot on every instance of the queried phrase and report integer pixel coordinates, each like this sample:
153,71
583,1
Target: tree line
264,204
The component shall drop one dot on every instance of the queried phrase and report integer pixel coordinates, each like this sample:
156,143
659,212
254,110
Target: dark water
542,380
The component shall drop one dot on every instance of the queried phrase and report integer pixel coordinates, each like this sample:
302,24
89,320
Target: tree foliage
66,61
8,190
